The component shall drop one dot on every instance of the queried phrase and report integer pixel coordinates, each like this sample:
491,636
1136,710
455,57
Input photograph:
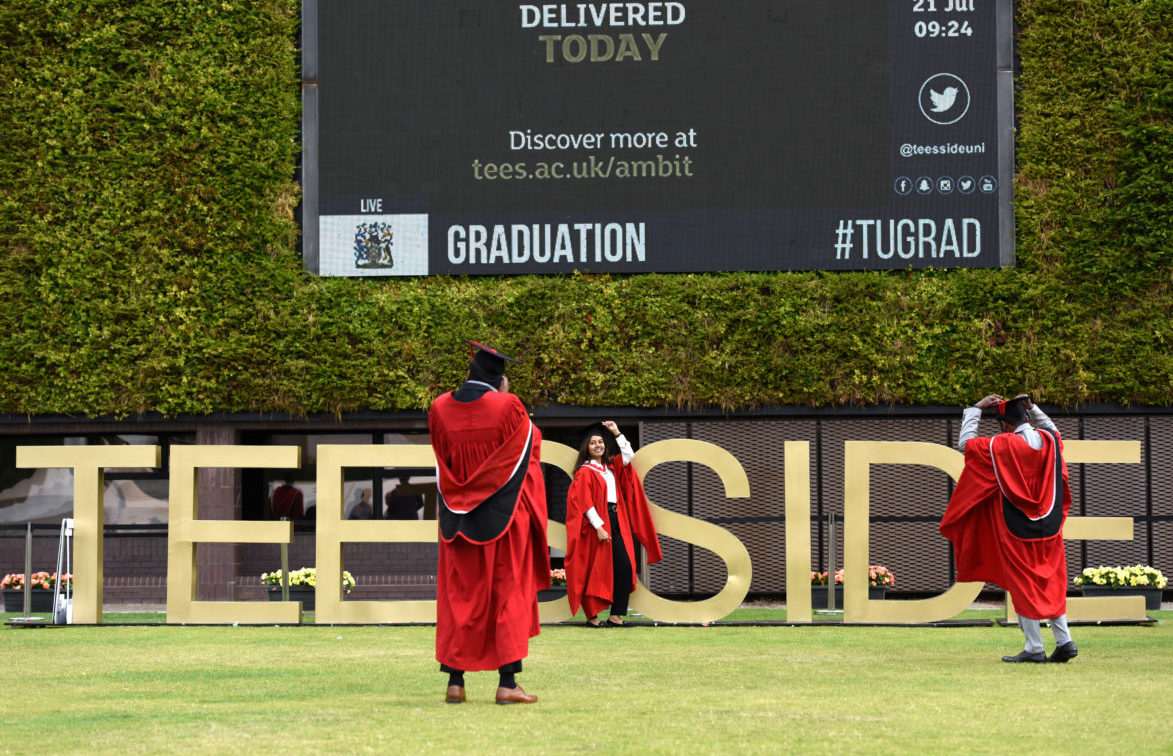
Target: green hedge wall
148,156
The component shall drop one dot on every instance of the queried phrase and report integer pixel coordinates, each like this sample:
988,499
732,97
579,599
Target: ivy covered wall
151,262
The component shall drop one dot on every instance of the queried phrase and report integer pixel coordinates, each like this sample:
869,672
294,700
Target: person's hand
611,426
988,401
602,534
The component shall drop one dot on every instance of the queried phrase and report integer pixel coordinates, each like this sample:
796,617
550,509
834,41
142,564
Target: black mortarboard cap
1011,411
595,429
486,363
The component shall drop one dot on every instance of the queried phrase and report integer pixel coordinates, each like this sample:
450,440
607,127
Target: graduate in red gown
287,501
493,556
606,511
1005,518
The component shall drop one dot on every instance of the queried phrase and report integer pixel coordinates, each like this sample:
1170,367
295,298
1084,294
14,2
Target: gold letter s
691,530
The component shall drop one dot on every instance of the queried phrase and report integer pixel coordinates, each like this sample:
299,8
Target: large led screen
472,137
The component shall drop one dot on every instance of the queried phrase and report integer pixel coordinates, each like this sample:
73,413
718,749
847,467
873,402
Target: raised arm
1038,418
971,417
624,446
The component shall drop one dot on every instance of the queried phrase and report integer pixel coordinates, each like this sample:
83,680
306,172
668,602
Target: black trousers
621,567
511,667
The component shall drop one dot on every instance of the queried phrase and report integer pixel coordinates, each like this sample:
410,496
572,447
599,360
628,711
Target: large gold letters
688,529
333,531
562,457
859,455
185,530
87,462
796,456
718,540
1098,529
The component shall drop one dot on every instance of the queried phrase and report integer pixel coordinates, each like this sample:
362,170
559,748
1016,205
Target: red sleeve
438,437
581,542
581,497
639,513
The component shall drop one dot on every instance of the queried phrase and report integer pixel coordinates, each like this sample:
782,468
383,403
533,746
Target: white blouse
608,476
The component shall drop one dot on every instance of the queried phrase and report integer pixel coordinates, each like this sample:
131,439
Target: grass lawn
151,689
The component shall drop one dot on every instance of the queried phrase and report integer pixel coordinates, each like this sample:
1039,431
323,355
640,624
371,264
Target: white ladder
63,600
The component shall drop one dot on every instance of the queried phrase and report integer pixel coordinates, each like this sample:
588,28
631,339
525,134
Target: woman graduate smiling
605,510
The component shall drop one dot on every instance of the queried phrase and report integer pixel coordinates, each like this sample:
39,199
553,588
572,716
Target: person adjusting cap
1012,411
486,363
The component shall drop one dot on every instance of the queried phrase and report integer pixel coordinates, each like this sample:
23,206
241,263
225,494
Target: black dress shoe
1065,652
1026,656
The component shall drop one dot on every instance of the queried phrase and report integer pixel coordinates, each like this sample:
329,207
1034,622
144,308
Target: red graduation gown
1005,520
589,572
488,457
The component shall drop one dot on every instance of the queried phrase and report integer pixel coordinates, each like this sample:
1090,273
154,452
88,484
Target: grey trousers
1032,629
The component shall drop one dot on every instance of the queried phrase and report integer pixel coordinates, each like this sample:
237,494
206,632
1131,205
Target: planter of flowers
880,578
1138,580
303,584
557,587
41,596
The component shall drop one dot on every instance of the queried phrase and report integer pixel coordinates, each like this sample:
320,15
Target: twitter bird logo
944,98
942,101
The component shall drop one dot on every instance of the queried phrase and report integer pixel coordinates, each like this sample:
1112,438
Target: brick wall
381,570
136,566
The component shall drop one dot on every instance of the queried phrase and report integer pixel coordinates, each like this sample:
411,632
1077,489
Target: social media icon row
925,185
